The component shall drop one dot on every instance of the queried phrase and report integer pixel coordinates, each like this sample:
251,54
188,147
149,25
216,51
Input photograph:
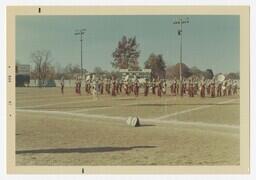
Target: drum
133,121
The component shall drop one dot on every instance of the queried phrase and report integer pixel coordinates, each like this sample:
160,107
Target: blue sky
208,41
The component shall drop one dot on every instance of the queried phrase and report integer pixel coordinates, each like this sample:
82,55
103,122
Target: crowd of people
189,87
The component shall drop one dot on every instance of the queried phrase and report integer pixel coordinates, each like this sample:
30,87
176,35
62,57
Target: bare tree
43,68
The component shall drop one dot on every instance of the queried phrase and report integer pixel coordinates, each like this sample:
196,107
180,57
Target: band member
225,89
108,86
87,86
229,88
146,88
78,86
219,88
126,87
191,88
131,86
212,88
154,86
195,87
76,83
159,87
130,89
62,84
95,88
117,86
184,87
120,86
101,86
235,89
164,87
202,90
136,88
113,87
208,88
172,87
175,87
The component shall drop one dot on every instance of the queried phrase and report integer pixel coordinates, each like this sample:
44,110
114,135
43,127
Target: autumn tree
126,54
157,65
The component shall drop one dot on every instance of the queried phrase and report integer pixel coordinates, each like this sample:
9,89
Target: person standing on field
153,86
213,89
146,88
79,86
62,85
202,89
136,88
219,88
191,88
113,87
159,87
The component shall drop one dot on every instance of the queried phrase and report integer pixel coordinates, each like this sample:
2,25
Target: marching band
190,87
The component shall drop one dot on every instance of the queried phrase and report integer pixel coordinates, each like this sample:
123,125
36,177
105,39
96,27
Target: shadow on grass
82,150
145,125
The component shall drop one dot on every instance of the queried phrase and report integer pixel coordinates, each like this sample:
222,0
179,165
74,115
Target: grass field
55,129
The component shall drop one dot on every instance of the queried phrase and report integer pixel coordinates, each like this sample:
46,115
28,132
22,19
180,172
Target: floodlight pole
81,32
181,21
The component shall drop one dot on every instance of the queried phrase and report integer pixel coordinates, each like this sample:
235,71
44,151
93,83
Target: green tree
157,65
174,71
98,71
126,54
196,72
233,75
208,74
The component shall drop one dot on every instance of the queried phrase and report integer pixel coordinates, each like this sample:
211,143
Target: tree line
125,56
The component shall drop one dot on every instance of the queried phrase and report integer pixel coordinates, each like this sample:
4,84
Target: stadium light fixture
181,21
81,32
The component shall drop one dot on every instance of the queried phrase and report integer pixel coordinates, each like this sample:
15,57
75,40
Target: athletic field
56,129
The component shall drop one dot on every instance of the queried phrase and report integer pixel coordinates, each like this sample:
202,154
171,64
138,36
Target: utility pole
81,32
181,21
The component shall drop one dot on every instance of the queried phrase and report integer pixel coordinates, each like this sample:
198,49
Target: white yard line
121,118
86,99
71,114
199,124
97,108
193,109
90,109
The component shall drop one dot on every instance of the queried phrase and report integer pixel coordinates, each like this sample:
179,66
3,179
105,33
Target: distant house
22,75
